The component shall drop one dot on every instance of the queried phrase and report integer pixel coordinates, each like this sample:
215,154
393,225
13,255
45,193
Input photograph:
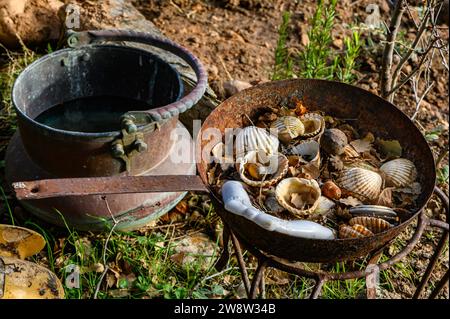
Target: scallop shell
252,138
309,152
360,181
302,191
376,225
399,172
346,231
271,171
314,125
288,127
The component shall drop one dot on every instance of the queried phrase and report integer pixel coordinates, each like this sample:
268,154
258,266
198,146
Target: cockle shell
362,182
314,125
269,172
376,225
299,196
288,128
252,138
346,231
399,172
350,152
309,152
362,230
355,231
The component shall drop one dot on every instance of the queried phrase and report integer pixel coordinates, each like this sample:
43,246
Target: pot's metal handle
86,37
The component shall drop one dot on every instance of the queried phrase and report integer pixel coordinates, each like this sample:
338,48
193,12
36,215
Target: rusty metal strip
106,185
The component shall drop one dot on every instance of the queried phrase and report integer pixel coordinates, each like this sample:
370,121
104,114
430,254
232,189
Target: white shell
314,124
276,168
309,152
252,138
288,127
360,181
309,188
236,201
399,172
324,206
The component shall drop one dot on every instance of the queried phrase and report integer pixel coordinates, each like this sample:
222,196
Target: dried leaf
361,146
350,201
385,198
119,293
336,162
110,280
182,207
297,201
390,148
414,188
342,212
310,171
300,109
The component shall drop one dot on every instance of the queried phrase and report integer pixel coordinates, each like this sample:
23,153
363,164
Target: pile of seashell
308,165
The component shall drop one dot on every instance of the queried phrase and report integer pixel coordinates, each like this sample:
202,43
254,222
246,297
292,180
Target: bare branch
419,100
412,73
407,55
386,64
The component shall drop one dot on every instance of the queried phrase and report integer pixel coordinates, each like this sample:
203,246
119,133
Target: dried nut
334,141
376,225
331,190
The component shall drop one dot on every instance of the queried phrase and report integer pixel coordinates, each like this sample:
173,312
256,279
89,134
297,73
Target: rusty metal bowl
340,100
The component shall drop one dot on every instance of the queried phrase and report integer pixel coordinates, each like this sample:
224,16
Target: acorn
331,190
333,141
